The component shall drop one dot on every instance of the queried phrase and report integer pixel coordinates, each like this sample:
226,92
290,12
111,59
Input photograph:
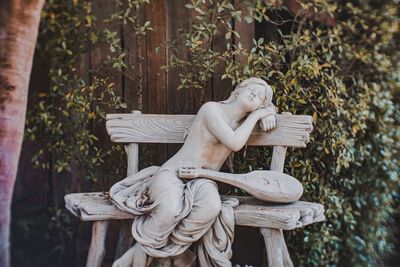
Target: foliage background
335,60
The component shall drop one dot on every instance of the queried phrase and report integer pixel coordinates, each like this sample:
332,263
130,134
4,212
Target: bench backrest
290,131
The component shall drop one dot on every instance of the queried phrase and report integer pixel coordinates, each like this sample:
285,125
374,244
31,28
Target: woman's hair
243,85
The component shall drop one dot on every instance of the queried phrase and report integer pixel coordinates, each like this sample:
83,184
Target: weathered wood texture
97,250
244,30
135,78
251,212
291,130
221,88
174,10
274,244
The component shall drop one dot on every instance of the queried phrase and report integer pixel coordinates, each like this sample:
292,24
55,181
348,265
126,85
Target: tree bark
19,22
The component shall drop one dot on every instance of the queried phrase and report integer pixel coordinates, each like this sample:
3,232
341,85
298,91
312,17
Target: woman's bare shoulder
211,112
208,107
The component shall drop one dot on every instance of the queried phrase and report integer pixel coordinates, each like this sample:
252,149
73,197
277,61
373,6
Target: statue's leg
206,207
214,248
184,213
207,202
153,230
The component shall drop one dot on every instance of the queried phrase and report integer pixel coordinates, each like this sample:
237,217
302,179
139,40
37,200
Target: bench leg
287,261
278,255
97,250
125,238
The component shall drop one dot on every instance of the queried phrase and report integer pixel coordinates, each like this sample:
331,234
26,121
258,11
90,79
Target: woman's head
252,93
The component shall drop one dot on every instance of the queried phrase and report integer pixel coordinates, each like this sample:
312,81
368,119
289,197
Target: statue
172,214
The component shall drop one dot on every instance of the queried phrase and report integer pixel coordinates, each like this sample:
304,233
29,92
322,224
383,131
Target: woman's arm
234,140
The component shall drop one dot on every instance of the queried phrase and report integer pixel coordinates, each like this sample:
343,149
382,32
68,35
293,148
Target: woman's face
251,97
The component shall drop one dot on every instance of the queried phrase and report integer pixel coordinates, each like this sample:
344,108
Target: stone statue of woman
173,214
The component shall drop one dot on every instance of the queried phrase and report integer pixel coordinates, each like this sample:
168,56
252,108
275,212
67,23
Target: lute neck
219,176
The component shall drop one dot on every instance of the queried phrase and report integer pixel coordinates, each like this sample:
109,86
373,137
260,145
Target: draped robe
144,195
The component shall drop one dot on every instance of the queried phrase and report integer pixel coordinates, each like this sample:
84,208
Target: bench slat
250,212
291,130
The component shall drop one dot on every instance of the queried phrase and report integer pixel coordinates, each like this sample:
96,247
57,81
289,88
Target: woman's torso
201,148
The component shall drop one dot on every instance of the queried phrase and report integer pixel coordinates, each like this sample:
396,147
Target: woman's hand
268,123
266,117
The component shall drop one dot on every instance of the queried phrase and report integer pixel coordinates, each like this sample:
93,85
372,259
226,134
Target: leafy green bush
347,77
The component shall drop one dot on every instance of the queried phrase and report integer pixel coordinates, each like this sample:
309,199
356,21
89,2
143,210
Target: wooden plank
291,130
97,249
132,151
286,217
156,82
220,88
135,75
74,181
250,212
199,96
245,30
94,207
274,245
278,158
178,100
100,51
156,77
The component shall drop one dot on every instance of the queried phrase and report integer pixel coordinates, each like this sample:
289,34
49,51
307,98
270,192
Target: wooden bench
136,128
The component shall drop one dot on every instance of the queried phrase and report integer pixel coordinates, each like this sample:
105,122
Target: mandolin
270,186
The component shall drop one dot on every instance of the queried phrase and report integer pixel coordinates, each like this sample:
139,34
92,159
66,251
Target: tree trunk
19,22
